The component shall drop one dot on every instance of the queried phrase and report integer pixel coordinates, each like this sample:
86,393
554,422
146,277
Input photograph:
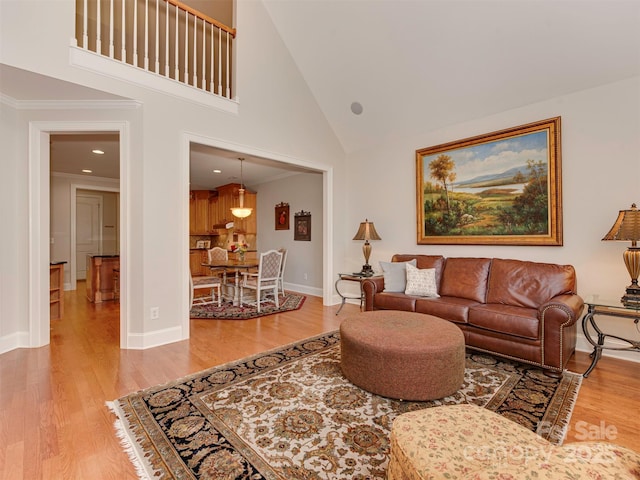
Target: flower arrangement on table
240,249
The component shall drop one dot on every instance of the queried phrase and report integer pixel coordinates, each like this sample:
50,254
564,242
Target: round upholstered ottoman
405,355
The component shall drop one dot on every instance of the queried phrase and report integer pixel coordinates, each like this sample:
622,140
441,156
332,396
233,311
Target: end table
351,277
596,336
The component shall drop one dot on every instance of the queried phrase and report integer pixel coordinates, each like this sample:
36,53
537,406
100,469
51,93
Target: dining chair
282,265
218,255
265,279
201,283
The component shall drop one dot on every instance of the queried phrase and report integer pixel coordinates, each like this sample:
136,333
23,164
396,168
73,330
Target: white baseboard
139,341
13,341
582,345
306,289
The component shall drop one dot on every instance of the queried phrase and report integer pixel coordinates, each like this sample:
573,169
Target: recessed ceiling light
217,171
86,170
356,108
98,152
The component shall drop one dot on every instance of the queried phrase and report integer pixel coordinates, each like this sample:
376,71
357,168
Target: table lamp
627,228
367,232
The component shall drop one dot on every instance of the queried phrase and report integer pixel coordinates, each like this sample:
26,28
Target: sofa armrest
558,318
370,286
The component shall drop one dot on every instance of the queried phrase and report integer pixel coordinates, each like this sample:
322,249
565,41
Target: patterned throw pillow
421,282
395,275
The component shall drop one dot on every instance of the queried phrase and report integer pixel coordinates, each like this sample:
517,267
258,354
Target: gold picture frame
501,188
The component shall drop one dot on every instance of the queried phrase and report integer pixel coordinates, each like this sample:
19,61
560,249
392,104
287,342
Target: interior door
88,232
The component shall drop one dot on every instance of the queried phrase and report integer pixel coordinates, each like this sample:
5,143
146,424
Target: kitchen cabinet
197,257
199,212
228,197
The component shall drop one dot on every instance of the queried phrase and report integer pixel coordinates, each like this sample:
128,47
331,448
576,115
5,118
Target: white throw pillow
421,282
395,275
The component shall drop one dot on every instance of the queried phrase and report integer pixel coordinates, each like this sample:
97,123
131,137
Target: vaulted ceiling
418,65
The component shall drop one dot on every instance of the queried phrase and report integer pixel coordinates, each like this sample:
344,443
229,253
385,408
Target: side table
596,336
351,277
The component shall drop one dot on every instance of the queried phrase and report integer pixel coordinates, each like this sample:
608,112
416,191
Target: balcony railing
164,37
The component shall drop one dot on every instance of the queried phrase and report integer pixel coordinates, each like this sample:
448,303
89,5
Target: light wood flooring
54,423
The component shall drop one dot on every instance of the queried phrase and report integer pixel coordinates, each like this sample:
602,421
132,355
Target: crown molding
68,104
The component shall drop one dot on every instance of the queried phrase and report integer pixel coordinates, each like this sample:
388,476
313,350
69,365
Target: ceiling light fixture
217,170
241,211
86,170
98,152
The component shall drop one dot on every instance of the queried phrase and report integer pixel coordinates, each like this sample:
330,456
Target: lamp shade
367,231
626,226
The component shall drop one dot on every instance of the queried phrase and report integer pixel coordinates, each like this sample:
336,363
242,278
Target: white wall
600,135
277,118
13,218
301,192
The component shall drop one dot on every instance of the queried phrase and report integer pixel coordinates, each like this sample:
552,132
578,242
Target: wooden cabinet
228,196
199,212
208,208
214,214
56,290
196,258
248,225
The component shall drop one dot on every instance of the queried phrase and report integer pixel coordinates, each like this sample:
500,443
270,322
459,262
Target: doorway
40,235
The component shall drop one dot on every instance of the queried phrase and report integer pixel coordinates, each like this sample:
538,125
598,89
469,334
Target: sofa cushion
465,278
395,275
528,284
395,301
421,281
453,309
518,321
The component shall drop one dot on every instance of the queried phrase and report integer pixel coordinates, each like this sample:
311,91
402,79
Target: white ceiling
414,65
418,65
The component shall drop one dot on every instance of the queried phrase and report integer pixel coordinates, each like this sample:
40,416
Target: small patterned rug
227,311
289,414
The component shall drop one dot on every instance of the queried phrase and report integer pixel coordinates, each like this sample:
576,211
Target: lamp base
631,296
367,270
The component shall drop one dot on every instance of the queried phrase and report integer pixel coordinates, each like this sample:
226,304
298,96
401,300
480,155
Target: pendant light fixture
241,211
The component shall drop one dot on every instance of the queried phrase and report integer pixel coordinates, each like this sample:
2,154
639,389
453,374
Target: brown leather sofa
525,311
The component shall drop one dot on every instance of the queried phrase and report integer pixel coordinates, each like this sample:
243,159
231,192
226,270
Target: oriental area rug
289,414
227,311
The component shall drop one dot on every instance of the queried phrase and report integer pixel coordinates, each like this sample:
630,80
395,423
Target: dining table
235,267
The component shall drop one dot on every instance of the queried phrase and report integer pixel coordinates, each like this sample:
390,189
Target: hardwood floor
54,423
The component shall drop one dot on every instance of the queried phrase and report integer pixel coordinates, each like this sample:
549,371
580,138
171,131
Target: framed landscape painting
501,188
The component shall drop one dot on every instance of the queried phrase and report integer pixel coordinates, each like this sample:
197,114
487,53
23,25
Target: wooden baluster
110,28
176,53
166,41
135,34
219,61
186,47
146,35
228,86
204,54
195,51
98,29
123,28
157,45
85,17
212,59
